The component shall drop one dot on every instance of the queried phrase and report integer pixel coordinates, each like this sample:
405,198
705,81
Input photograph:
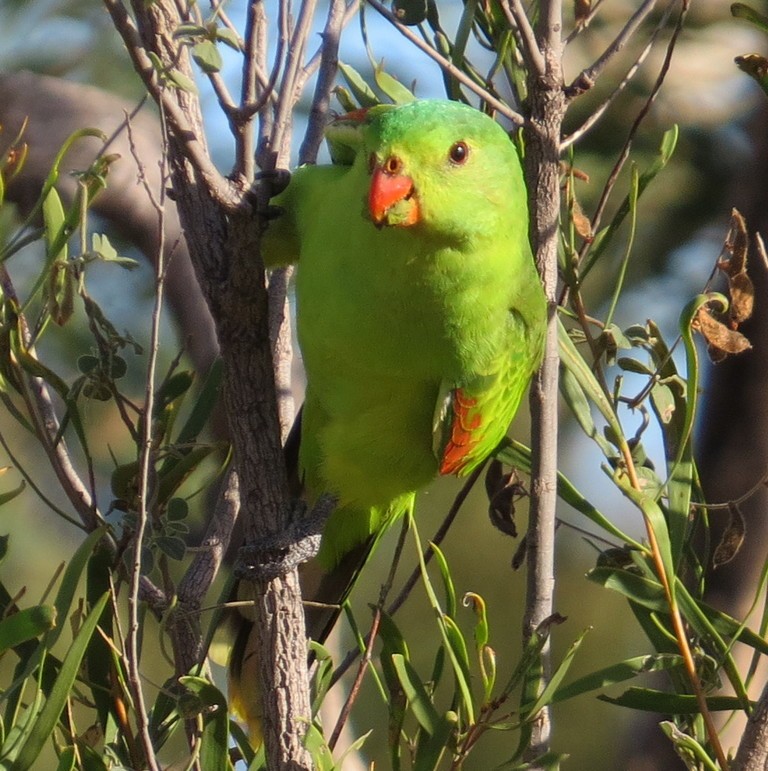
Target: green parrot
420,317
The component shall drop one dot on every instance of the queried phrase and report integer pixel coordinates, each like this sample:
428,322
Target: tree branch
543,129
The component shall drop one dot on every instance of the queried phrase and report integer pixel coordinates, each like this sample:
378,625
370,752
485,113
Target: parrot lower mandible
420,317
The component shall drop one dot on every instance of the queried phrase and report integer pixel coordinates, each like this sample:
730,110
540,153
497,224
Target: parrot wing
471,418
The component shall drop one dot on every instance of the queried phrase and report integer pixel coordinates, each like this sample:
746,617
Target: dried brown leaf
737,246
732,539
721,339
742,297
581,222
581,11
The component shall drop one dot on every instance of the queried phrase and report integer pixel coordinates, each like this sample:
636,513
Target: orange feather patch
463,439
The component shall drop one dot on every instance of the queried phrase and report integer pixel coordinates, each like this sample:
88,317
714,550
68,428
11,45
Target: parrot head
431,163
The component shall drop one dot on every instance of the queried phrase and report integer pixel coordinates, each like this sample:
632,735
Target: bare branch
543,130
328,63
448,66
515,13
587,77
183,131
752,754
599,111
146,483
624,155
201,573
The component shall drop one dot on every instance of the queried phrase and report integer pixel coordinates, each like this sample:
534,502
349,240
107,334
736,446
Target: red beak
388,189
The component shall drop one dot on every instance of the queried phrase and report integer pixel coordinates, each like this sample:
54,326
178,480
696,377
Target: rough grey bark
222,233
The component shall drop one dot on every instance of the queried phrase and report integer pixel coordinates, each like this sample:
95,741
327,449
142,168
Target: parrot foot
274,182
279,554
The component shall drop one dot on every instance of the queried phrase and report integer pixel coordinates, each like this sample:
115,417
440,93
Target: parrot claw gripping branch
299,543
421,319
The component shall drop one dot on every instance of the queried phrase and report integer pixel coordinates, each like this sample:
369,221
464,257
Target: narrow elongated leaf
445,574
557,677
46,721
604,237
650,700
431,748
322,760
360,89
617,673
418,698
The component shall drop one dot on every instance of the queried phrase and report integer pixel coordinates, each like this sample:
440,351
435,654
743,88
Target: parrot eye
459,153
393,165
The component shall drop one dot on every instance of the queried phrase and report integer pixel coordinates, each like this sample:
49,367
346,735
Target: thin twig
587,77
448,66
328,63
517,18
146,481
624,155
543,134
599,111
182,130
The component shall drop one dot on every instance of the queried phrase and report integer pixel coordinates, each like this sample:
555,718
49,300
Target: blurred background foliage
681,224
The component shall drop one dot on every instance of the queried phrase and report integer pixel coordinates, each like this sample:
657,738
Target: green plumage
420,333
392,319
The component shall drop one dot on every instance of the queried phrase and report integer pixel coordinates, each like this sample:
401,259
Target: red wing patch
462,438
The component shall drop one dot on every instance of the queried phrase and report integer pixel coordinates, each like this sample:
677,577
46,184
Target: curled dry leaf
732,539
504,490
581,11
742,297
581,222
721,339
734,266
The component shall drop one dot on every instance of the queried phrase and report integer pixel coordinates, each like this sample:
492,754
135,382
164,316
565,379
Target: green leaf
743,11
445,574
547,694
655,521
515,454
66,759
617,673
391,87
459,667
481,624
634,587
102,246
228,37
576,400
693,754
604,237
650,700
431,748
322,760
46,721
206,55
418,698
173,547
362,92
181,81
54,219
11,494
204,405
70,580
26,625
214,743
